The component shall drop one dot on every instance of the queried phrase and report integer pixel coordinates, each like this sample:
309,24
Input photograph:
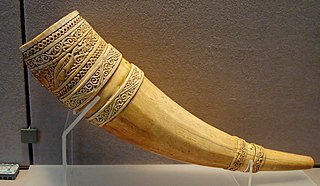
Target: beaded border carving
120,99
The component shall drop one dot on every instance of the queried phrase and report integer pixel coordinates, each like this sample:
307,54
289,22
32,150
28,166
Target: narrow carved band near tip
246,152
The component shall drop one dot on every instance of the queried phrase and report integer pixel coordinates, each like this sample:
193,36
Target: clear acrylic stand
249,173
68,128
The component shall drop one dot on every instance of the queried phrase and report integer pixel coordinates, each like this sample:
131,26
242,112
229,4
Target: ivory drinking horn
74,63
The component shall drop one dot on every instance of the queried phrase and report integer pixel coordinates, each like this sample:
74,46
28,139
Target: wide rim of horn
48,31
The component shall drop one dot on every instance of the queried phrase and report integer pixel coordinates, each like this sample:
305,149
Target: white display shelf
158,175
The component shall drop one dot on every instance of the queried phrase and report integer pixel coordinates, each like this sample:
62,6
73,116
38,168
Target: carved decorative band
259,158
99,76
120,99
241,158
52,37
65,57
57,48
72,70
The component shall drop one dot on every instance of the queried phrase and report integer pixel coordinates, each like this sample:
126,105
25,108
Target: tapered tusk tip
277,160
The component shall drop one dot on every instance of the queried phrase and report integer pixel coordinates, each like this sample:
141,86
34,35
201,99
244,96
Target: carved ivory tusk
73,62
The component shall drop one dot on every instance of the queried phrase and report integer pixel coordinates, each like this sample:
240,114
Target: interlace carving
259,158
100,77
68,86
118,102
240,156
58,48
52,37
72,50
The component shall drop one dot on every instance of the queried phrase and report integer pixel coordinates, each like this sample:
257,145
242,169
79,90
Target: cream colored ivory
73,62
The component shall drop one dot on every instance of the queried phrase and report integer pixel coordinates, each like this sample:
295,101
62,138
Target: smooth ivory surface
159,175
250,69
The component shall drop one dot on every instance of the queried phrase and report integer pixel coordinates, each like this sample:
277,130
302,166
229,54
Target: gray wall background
12,86
250,68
